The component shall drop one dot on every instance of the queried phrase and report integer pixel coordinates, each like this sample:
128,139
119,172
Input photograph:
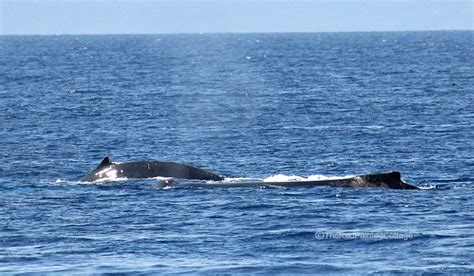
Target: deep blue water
241,105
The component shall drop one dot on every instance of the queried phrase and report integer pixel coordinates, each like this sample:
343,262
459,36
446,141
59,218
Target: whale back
153,168
147,169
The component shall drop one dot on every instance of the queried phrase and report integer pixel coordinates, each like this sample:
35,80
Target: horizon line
236,32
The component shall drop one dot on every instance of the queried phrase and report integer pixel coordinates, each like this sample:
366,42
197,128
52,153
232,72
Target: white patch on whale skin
104,172
109,174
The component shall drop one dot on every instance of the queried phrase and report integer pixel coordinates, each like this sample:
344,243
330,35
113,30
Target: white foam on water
283,178
428,187
111,179
161,178
314,177
238,179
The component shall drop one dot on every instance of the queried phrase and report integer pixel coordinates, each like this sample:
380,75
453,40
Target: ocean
258,106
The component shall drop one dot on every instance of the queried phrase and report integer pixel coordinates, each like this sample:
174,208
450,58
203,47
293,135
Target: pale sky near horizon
194,16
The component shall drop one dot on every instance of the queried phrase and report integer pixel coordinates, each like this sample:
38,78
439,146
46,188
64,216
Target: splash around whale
149,169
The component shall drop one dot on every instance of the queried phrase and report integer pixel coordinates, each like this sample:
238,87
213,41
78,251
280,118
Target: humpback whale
390,180
147,169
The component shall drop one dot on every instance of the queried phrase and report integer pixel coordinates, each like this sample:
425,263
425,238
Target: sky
242,16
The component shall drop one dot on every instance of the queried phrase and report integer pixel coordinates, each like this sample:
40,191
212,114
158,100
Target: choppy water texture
241,105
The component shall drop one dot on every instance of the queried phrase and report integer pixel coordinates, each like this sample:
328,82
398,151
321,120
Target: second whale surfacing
148,169
390,180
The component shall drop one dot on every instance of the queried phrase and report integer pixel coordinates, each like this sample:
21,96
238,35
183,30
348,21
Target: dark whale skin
147,169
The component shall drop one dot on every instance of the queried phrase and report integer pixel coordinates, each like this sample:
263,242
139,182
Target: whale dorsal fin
91,176
105,162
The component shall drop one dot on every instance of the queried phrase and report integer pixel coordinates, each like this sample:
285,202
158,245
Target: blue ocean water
243,106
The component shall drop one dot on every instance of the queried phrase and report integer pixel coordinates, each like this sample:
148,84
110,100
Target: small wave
330,127
101,180
428,187
163,186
